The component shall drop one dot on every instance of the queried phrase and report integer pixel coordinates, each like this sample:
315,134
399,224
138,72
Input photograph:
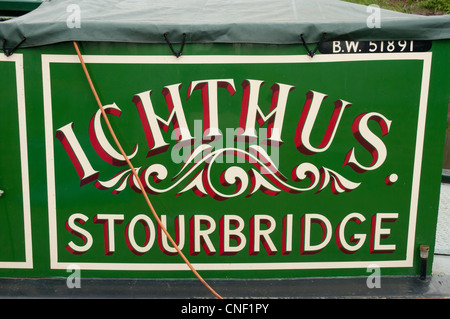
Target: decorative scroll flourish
196,175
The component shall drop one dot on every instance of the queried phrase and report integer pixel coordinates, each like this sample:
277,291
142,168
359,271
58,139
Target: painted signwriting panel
261,162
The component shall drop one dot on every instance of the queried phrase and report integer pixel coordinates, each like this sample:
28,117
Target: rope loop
176,53
312,53
9,52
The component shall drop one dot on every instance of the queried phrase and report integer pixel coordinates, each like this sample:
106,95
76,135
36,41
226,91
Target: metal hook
311,53
176,53
10,52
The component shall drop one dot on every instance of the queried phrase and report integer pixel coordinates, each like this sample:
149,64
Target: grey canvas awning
215,21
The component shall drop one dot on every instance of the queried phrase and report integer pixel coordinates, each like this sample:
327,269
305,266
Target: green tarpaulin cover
216,21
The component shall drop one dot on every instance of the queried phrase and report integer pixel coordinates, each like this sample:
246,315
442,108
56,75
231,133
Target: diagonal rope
158,220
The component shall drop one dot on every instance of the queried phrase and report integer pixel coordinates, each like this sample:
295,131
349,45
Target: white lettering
369,141
227,234
251,112
150,121
210,104
76,154
99,141
109,220
258,235
378,233
149,228
308,118
200,237
352,46
358,239
336,46
307,247
80,232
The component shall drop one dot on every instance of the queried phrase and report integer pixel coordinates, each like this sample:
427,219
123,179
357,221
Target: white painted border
235,59
17,59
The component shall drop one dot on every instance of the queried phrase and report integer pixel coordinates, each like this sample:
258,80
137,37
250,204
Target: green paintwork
389,87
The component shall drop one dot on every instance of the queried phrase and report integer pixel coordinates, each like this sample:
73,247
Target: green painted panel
262,161
14,203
